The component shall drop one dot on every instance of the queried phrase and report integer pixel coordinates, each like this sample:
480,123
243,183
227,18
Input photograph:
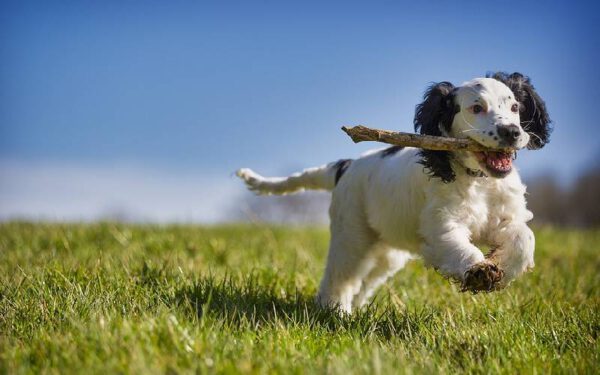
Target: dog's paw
482,277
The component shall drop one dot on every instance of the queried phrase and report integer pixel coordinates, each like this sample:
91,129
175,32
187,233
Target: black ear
436,112
437,109
534,116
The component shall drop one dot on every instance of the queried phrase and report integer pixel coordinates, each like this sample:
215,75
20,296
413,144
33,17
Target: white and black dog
390,205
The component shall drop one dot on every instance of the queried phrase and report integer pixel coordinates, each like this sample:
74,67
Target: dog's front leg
448,248
513,250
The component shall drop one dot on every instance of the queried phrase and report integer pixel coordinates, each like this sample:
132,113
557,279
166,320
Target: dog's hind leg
387,263
348,263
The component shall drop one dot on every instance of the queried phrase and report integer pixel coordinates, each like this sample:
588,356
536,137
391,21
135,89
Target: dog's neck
457,166
474,172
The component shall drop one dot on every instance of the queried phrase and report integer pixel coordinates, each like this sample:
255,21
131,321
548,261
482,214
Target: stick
361,133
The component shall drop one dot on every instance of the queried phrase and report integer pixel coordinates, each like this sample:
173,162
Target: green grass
180,299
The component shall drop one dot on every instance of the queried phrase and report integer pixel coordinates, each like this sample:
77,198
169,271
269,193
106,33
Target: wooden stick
361,133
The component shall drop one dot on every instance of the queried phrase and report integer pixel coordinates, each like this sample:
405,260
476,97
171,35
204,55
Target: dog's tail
324,177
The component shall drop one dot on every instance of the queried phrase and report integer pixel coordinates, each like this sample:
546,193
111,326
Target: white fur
387,210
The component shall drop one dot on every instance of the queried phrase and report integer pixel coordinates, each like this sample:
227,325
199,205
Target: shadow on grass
250,305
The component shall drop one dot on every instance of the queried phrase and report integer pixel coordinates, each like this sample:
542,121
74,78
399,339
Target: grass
109,298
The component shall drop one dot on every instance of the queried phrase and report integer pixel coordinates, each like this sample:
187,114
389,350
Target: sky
147,108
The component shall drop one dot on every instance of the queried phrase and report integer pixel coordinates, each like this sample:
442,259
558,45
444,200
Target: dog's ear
437,109
534,116
435,113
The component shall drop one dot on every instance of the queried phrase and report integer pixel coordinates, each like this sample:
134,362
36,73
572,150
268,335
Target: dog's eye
477,109
515,108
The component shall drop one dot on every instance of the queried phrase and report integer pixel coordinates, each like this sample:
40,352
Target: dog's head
499,111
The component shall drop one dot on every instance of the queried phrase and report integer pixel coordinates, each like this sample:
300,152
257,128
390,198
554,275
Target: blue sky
158,103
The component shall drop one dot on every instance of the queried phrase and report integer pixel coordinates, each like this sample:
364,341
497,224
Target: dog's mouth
496,163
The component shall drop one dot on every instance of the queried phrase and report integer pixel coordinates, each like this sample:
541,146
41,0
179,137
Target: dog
395,204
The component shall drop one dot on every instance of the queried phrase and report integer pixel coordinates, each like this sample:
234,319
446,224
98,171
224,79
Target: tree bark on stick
361,133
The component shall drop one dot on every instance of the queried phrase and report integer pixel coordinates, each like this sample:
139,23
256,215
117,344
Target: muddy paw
482,277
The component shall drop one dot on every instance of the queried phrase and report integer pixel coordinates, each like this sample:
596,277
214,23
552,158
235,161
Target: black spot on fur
435,113
390,151
341,166
534,116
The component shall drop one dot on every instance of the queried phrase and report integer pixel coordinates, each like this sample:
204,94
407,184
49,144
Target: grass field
179,299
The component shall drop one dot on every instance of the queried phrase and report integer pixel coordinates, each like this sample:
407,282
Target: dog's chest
476,210
485,206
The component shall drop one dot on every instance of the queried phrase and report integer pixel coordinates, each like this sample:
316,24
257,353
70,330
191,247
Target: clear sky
148,107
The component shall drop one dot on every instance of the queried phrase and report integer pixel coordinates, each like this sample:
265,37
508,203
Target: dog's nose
509,133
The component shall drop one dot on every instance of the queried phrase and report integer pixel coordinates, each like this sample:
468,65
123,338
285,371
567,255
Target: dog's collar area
470,172
475,172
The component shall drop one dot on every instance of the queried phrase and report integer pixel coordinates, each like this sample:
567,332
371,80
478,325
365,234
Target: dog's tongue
499,160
